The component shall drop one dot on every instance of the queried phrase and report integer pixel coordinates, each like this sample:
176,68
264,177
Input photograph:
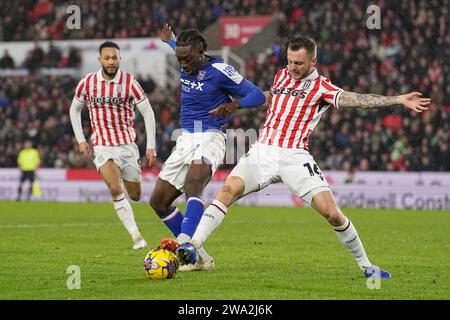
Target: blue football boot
376,273
186,253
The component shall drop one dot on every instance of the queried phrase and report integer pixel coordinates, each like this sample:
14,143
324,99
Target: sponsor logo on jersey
229,70
113,100
188,85
300,93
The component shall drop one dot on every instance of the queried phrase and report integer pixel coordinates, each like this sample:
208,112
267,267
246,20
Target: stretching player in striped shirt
206,83
297,99
112,95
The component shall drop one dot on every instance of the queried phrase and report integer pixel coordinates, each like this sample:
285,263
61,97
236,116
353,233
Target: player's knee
199,180
233,186
198,175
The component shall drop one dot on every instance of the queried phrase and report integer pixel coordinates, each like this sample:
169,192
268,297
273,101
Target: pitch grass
260,253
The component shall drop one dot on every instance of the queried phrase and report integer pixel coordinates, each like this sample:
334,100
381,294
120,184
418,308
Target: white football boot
140,243
198,266
204,263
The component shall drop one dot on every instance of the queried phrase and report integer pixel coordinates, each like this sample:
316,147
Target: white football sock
125,214
349,237
211,220
183,237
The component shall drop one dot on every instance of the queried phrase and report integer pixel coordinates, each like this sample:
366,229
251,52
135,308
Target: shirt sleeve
137,93
145,109
252,96
80,91
228,78
75,119
20,159
330,92
173,44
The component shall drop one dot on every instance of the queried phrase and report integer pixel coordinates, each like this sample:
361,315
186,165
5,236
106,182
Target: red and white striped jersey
296,108
111,106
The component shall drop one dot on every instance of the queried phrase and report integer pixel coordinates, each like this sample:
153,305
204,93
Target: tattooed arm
412,100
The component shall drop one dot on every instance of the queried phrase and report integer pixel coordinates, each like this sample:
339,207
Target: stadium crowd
39,58
407,54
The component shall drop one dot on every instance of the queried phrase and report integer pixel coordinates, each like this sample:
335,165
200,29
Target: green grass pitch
260,253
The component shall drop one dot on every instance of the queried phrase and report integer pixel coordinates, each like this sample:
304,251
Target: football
160,264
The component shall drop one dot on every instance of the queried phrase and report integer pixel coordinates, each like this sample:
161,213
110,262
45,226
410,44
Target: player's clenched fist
85,149
151,155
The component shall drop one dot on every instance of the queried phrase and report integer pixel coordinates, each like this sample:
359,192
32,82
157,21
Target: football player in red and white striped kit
297,99
111,95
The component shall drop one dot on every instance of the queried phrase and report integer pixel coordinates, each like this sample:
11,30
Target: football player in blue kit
206,83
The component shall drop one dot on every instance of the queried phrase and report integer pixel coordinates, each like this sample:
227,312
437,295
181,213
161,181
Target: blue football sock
173,221
194,212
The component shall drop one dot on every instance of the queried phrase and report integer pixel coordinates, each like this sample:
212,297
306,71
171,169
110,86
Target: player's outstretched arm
268,101
252,97
168,36
166,33
412,100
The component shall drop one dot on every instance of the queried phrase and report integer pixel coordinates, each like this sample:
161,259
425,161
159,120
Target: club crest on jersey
119,88
201,75
307,85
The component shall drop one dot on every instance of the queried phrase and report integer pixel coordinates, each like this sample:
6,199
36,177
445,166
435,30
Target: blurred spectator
35,58
53,57
74,59
7,62
39,58
398,153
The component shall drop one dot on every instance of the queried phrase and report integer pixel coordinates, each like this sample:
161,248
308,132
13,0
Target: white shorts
267,164
207,146
125,156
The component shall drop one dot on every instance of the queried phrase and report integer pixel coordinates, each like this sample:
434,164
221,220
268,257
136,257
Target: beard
300,75
110,74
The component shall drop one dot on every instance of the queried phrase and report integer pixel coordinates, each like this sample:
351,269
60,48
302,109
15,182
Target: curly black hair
192,37
108,44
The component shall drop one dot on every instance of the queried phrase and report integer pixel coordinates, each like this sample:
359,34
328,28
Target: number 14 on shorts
313,169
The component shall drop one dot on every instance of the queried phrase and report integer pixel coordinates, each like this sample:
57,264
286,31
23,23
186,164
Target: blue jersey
213,85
